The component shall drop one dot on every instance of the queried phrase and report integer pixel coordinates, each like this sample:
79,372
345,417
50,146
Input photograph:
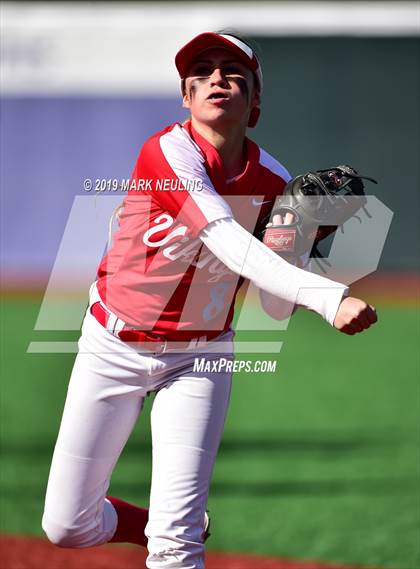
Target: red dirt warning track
35,553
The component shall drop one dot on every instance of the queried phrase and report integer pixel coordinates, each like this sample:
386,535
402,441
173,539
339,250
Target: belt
149,340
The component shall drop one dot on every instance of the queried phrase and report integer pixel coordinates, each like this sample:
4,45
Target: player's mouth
217,97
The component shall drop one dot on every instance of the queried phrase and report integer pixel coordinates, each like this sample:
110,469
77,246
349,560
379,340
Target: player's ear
186,103
255,98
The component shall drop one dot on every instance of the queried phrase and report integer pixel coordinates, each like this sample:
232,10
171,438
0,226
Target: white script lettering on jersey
186,254
167,222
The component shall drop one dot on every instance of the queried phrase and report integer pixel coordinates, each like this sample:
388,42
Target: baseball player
164,295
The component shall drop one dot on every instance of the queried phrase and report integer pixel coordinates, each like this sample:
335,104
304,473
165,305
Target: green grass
319,460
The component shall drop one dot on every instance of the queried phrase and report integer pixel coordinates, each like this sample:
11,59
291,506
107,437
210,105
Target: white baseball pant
107,388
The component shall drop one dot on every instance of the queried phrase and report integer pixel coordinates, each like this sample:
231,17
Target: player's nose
217,77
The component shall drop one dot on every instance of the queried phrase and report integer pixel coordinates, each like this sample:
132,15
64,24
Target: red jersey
158,275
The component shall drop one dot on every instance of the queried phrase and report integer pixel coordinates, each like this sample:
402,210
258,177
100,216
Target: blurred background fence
84,84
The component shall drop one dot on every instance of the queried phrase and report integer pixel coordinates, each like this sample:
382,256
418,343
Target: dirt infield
35,553
398,288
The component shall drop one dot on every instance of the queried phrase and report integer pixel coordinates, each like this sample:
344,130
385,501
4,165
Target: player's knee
61,535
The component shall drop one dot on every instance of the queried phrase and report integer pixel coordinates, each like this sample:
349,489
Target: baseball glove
318,202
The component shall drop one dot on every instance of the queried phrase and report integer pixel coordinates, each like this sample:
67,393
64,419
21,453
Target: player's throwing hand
354,315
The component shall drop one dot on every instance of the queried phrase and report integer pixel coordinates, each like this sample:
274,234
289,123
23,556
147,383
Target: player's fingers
367,317
347,329
371,314
357,326
277,219
352,326
363,320
288,218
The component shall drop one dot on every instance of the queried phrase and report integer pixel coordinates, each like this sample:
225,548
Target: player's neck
229,142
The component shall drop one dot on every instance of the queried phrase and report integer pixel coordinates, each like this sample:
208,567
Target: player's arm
245,255
276,307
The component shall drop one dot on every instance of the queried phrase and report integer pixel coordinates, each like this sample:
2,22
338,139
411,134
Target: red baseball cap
208,40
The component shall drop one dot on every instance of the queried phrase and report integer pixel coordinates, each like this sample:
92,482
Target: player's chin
215,112
222,116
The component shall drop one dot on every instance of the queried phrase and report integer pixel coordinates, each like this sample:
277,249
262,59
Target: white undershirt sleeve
245,255
276,307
